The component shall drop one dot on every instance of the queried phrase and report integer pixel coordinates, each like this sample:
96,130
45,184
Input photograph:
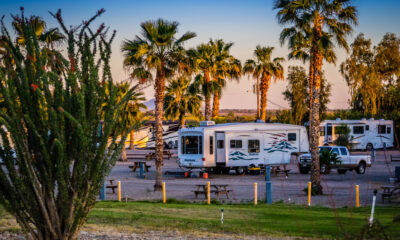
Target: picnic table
277,169
136,164
217,189
112,185
394,158
390,191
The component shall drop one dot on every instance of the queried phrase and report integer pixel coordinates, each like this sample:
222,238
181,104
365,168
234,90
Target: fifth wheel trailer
239,146
364,134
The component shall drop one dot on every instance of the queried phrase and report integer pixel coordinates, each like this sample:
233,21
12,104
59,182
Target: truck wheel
361,168
324,169
240,170
304,170
342,171
170,145
369,147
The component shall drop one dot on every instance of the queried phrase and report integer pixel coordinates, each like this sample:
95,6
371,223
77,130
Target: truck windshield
192,144
322,149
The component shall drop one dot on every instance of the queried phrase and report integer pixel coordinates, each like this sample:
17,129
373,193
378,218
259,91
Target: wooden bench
136,164
394,158
390,192
112,185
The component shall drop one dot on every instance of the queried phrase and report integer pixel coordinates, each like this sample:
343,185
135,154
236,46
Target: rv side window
200,144
322,131
366,127
211,145
254,146
381,129
388,130
329,130
358,129
192,144
236,143
220,143
291,136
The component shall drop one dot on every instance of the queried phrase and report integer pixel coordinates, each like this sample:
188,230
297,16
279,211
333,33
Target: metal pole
309,193
119,191
208,193
357,196
141,174
222,216
163,190
268,185
371,219
255,193
103,192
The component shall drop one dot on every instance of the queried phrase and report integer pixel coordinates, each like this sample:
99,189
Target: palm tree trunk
215,109
316,62
182,122
207,110
265,80
159,96
124,158
132,140
258,98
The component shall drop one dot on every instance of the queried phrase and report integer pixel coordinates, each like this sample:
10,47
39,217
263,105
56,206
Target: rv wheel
170,145
370,147
240,170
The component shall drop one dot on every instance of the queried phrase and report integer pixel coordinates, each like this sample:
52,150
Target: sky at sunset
245,23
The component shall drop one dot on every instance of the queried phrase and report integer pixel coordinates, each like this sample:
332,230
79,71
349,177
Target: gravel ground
339,189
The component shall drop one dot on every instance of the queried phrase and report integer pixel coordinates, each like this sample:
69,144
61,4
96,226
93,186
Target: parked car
359,163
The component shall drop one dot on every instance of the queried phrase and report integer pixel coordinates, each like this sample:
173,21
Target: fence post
163,190
357,196
119,191
255,193
208,193
268,185
309,193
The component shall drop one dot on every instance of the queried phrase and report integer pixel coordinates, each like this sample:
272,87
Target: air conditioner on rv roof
206,123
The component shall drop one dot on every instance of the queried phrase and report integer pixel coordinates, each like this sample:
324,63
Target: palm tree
264,68
155,50
202,58
225,66
315,24
179,100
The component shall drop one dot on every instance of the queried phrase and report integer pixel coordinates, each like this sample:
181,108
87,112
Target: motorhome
239,146
364,134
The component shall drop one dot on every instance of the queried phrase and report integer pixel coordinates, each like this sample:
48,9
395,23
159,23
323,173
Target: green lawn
276,219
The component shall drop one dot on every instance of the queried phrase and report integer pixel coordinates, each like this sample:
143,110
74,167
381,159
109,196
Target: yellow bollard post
255,193
309,193
208,193
119,191
357,196
164,199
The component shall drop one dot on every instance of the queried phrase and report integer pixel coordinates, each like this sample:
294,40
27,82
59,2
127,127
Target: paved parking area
339,190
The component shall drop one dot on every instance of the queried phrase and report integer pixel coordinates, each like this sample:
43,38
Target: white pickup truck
347,161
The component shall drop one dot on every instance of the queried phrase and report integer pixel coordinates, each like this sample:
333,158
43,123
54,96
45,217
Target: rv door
221,150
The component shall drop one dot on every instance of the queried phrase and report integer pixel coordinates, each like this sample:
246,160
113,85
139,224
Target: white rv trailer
240,145
364,134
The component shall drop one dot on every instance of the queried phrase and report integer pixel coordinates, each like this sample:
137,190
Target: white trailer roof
249,126
353,122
